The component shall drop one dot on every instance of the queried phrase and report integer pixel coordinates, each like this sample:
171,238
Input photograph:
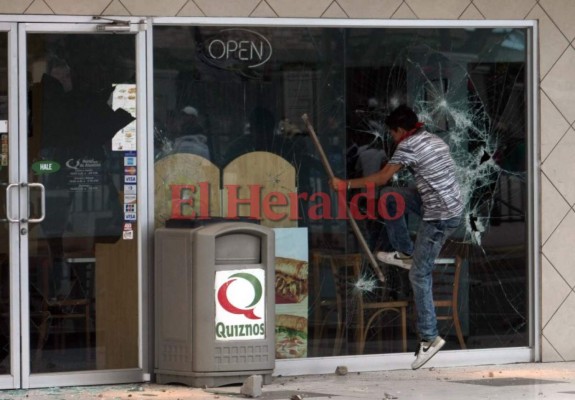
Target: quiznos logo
240,304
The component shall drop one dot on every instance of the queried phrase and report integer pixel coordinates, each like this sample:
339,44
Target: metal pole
352,221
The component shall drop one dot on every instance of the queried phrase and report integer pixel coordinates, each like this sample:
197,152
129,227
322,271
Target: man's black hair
402,117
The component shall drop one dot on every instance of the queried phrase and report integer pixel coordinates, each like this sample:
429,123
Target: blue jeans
397,230
430,238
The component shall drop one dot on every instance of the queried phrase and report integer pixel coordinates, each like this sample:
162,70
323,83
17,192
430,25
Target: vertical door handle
8,203
42,202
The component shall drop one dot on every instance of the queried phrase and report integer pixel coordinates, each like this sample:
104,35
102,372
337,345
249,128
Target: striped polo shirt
429,159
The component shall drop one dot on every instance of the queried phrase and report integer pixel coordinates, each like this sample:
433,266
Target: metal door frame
12,380
21,376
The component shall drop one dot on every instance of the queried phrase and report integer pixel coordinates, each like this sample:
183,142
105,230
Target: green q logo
247,311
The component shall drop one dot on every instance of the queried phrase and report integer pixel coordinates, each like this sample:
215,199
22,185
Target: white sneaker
397,258
427,350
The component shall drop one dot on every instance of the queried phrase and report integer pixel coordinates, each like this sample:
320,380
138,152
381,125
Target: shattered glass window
224,92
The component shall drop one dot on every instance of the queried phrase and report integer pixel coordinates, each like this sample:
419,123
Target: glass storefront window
224,94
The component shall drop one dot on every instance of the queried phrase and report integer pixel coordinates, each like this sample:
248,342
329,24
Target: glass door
80,89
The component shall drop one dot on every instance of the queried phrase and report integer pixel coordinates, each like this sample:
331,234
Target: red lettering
204,200
182,202
382,206
273,199
253,201
179,202
369,197
324,206
294,199
341,201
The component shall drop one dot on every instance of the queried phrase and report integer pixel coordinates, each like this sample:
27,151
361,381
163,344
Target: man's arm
380,178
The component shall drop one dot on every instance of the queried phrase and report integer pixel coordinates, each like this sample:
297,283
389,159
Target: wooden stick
352,221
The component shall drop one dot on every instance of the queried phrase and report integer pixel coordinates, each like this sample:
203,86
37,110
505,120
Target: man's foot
427,350
397,258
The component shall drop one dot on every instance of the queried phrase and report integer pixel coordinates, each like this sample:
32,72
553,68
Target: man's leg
430,238
396,227
397,230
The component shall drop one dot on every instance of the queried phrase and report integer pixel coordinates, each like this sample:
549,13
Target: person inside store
436,197
190,135
77,119
68,125
365,156
258,135
265,133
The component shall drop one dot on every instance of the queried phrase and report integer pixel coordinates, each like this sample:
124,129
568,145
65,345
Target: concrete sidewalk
554,381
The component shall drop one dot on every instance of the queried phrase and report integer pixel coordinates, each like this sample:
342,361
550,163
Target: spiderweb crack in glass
455,110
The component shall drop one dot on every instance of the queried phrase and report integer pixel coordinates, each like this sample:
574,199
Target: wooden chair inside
446,282
38,276
57,308
371,308
351,306
325,308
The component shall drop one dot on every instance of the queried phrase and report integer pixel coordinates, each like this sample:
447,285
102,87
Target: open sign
244,46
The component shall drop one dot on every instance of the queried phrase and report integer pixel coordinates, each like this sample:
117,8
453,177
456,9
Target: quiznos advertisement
240,304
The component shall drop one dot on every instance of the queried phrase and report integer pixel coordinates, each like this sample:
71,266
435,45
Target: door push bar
9,216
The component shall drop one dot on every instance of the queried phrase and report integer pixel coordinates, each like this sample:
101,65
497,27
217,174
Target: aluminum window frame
531,353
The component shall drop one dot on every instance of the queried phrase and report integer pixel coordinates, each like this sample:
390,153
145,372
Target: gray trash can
214,304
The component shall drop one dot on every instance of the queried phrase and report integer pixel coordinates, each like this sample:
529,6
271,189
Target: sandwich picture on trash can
291,292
